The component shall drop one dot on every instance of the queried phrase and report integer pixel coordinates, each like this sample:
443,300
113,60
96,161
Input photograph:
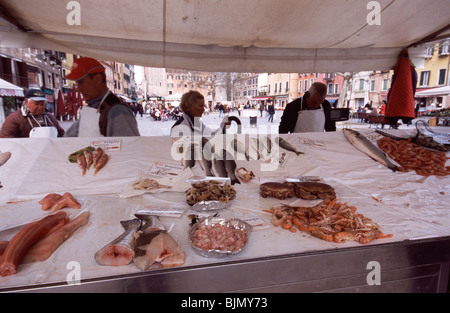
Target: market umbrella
69,102
400,104
60,108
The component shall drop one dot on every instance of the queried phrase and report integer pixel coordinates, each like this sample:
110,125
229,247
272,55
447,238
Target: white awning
434,92
11,90
233,35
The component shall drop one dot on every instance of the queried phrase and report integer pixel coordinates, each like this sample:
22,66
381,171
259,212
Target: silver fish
189,156
364,145
119,251
230,166
287,146
205,159
219,166
240,148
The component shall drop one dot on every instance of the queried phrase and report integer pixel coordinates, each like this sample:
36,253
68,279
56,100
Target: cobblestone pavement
149,127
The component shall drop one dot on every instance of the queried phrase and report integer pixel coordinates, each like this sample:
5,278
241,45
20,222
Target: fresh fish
188,159
254,149
263,147
364,145
81,161
101,163
240,148
287,146
97,155
230,166
205,159
119,251
155,245
219,168
4,157
89,158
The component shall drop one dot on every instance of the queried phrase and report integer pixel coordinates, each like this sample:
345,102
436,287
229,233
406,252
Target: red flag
401,95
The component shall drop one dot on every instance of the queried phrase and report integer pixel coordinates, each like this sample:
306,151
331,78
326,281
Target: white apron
42,131
310,120
89,118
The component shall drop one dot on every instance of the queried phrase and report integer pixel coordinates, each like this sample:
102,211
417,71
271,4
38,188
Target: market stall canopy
10,90
233,35
434,92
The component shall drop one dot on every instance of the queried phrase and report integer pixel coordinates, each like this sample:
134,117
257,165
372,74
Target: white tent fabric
228,35
440,91
11,90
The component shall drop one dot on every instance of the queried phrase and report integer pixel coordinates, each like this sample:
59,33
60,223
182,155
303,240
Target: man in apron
310,113
32,120
105,114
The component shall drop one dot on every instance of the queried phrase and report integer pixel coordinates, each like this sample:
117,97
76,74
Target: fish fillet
44,248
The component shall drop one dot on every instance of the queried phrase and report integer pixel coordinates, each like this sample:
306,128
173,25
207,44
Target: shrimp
343,236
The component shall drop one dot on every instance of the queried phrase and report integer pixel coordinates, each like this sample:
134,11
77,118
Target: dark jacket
18,126
290,115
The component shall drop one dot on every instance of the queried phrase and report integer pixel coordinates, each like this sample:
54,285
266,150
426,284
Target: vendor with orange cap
105,114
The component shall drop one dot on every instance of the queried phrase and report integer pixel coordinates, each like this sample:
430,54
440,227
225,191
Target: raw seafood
218,166
49,200
97,154
81,161
3,245
245,175
329,221
4,157
119,251
313,190
240,148
219,237
155,247
148,184
287,145
209,191
73,156
66,201
206,157
44,248
412,157
230,166
89,158
19,245
364,145
101,163
277,190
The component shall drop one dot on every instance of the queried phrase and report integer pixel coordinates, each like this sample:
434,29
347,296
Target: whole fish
189,156
219,168
287,146
205,159
119,251
364,145
101,162
89,158
240,148
96,156
230,166
263,147
81,161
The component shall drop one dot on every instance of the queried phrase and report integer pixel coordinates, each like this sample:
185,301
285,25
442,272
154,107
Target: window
424,78
441,77
312,82
372,85
287,86
361,84
299,86
280,88
385,84
336,88
443,47
306,85
275,87
330,88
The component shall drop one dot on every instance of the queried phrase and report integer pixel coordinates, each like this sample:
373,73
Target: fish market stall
410,252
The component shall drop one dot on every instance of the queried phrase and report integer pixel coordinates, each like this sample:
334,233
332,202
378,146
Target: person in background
105,114
270,110
310,113
32,120
192,105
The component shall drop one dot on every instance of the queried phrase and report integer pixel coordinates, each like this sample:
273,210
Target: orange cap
83,66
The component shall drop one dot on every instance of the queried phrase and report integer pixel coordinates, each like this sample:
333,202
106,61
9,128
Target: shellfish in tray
209,191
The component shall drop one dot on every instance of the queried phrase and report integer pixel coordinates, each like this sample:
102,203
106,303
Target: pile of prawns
329,220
